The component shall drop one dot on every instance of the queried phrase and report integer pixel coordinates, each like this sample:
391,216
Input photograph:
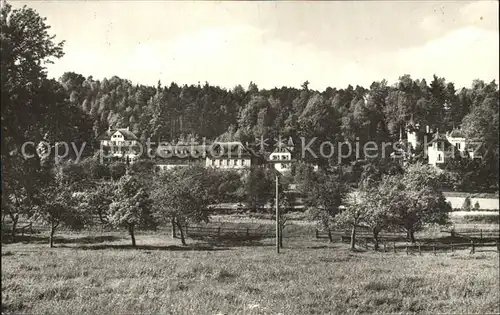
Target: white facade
281,155
436,154
412,139
117,139
231,163
120,143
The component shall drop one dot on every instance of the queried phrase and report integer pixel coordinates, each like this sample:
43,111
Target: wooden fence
433,247
474,233
346,235
220,231
25,229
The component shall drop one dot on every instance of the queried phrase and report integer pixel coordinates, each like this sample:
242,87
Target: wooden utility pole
277,219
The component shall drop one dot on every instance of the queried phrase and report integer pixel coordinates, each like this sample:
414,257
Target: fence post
481,233
385,250
186,229
434,248
407,252
394,245
317,233
419,250
31,227
22,231
452,248
472,251
498,246
248,232
218,231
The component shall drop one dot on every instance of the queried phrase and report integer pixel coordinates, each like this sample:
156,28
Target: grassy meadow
99,273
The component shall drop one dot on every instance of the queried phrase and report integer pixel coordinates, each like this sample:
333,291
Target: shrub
117,170
467,204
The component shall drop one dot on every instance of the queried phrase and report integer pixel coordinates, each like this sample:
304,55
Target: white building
457,138
281,154
228,155
168,157
120,143
439,150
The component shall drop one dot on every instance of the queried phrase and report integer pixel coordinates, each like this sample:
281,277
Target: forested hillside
170,112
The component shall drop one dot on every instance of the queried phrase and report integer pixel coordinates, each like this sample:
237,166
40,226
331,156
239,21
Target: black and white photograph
249,157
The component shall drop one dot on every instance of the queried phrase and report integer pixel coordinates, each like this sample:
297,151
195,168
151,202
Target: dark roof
440,139
282,149
224,150
456,133
182,151
127,134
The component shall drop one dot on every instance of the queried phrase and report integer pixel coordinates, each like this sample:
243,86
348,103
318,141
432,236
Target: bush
467,204
117,170
476,206
95,169
143,167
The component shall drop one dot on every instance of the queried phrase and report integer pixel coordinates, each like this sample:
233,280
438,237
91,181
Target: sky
275,44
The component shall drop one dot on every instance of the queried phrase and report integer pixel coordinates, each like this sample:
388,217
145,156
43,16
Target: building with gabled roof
439,149
282,154
181,154
120,143
229,155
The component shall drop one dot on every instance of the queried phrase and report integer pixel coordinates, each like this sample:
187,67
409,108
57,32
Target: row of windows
283,157
228,162
123,142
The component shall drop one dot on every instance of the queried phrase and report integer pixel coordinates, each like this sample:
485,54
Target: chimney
427,129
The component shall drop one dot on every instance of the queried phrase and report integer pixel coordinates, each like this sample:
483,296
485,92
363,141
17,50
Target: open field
98,273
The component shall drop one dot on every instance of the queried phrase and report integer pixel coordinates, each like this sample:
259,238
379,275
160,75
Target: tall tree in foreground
324,195
353,214
259,187
417,199
131,207
60,204
181,196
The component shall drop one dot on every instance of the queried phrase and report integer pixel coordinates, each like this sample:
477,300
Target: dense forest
170,113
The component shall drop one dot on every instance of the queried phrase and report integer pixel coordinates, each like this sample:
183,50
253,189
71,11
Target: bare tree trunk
53,227
281,236
375,238
173,228
412,236
131,232
330,238
179,226
15,219
353,237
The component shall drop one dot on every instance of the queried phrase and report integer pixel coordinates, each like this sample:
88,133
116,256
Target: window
439,157
274,157
458,146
